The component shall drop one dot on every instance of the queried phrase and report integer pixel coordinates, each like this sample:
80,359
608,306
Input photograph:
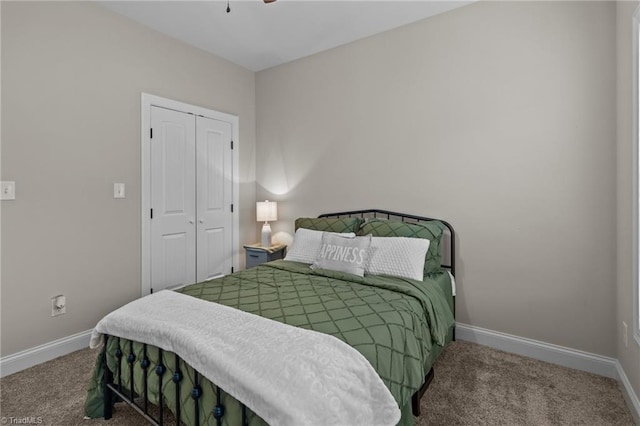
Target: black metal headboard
448,249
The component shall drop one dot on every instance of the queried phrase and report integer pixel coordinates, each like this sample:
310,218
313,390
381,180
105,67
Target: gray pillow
339,253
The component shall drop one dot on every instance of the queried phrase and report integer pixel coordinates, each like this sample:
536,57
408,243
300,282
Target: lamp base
266,235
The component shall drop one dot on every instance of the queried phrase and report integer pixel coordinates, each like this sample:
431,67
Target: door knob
191,221
201,221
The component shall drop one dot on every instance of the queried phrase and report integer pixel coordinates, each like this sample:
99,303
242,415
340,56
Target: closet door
214,197
173,199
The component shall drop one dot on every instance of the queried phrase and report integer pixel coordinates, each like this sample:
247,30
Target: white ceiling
259,36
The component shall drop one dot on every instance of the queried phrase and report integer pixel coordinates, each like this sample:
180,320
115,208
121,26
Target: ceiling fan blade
268,1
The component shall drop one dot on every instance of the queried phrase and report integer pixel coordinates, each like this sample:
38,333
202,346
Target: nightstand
256,254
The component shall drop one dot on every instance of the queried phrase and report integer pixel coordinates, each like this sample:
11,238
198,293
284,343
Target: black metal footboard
115,390
150,395
136,394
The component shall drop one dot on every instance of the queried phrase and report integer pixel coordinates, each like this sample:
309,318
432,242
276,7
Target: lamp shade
266,211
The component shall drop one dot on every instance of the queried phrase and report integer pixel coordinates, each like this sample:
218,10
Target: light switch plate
118,190
7,190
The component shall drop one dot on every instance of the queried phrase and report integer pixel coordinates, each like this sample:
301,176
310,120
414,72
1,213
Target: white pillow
397,256
306,245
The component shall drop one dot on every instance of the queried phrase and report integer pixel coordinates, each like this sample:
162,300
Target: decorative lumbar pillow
397,256
345,254
306,245
329,224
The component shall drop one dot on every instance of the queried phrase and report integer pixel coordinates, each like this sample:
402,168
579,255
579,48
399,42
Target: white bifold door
191,198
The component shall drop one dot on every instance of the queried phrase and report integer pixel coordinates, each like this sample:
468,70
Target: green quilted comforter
399,325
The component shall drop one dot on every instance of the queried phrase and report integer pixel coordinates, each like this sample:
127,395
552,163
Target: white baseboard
567,357
627,390
28,358
560,355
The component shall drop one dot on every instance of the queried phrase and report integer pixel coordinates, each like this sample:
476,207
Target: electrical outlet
118,190
625,334
58,305
7,190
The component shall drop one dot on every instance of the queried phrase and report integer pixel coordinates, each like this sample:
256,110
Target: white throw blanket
287,375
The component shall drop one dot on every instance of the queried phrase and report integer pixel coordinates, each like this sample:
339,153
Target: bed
399,325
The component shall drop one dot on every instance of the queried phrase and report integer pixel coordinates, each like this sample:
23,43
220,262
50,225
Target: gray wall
629,356
498,117
72,74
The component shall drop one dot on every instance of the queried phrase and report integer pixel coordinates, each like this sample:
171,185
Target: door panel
213,200
173,162
211,254
173,182
174,262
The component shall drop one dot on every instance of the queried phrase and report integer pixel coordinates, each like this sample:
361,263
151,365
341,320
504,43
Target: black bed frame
114,392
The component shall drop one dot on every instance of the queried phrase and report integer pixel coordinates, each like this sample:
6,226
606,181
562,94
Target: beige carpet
473,385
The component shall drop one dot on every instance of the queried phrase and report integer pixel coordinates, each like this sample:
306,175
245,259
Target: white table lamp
266,211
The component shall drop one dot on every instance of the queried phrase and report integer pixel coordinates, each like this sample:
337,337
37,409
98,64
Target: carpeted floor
473,385
477,385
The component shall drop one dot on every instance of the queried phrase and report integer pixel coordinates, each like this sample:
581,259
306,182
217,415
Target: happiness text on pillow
343,254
